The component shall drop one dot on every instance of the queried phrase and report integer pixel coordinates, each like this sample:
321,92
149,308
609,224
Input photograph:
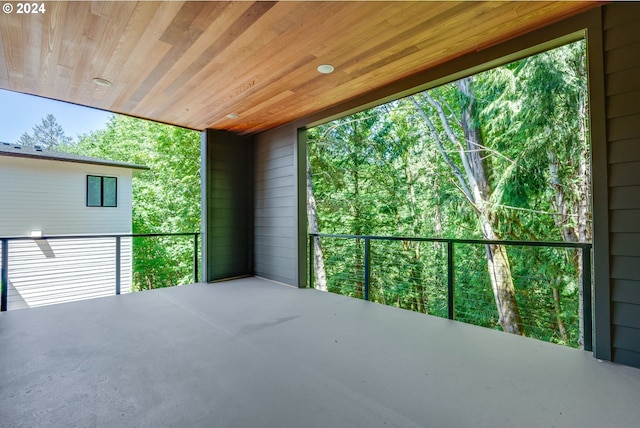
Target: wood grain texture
192,63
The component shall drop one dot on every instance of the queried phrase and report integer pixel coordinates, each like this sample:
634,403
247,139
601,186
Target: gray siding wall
227,200
275,205
621,33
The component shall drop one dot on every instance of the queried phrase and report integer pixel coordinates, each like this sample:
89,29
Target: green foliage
381,172
166,198
48,135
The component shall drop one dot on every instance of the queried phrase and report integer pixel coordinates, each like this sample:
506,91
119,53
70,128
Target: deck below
252,353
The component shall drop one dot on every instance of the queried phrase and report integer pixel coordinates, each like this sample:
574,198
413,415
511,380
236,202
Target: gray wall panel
626,291
228,189
619,59
624,198
625,267
621,35
627,315
624,356
624,150
621,64
623,81
627,338
618,16
625,244
275,202
625,127
623,104
624,174
284,161
625,221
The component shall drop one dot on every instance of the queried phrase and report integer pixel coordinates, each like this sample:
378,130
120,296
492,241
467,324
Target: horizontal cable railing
450,278
45,270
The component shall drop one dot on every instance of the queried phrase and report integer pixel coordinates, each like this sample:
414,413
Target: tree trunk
558,310
497,259
572,203
584,205
473,183
503,289
312,217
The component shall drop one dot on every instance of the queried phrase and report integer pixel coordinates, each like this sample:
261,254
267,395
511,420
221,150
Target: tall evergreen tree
48,134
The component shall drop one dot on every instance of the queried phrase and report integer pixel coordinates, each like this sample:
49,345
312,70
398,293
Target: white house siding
64,270
50,196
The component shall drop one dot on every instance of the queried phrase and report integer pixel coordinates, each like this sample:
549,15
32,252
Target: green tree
501,155
460,134
547,120
48,135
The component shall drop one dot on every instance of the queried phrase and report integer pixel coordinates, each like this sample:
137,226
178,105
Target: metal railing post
5,275
195,257
586,299
451,308
311,260
118,264
367,272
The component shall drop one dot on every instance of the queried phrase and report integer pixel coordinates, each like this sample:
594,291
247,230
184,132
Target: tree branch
454,168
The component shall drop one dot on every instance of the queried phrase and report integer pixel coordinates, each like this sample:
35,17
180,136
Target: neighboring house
46,193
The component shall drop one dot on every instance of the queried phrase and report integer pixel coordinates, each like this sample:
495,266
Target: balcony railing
449,278
44,270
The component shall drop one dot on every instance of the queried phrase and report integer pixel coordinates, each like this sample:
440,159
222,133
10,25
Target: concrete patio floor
253,353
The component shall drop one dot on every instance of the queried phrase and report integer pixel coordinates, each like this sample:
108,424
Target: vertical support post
312,256
195,257
5,275
451,308
118,264
586,299
367,270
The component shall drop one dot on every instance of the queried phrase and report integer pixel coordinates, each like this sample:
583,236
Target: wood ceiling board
192,63
255,68
145,56
228,31
202,74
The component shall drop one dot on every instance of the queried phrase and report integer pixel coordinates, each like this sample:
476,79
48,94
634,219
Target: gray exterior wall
621,35
276,210
227,186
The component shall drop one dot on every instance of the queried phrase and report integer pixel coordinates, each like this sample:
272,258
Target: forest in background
502,155
166,198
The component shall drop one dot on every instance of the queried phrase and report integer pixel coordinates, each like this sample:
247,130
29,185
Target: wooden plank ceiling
193,63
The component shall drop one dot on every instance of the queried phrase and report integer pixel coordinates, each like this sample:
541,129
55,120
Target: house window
102,191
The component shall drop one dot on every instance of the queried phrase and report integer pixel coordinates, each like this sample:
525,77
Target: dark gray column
227,209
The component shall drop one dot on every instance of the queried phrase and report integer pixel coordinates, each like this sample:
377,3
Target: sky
20,112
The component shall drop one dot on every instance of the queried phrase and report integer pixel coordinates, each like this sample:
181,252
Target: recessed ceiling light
232,116
101,82
325,68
